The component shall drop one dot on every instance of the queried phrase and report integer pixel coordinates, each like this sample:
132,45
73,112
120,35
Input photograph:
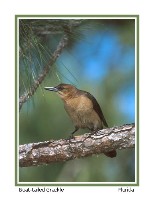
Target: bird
82,108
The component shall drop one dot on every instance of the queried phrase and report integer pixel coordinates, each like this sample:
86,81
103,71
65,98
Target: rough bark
34,154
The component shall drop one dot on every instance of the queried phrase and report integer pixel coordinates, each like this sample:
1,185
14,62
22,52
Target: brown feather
96,106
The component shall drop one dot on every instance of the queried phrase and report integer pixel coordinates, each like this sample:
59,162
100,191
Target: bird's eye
60,87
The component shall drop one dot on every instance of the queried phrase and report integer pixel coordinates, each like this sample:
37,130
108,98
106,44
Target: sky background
96,56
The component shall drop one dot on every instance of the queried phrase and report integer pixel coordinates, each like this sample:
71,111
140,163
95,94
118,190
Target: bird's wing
97,108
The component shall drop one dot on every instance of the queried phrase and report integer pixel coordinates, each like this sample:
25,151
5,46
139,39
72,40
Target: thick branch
45,71
105,140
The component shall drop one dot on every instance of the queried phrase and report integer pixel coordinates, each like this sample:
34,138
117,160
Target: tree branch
34,154
51,26
45,71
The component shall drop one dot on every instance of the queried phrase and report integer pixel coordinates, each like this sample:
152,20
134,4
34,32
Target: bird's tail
111,154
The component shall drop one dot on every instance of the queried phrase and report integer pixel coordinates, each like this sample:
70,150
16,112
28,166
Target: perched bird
82,108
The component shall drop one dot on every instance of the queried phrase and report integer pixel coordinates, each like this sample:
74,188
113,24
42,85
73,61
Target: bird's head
65,91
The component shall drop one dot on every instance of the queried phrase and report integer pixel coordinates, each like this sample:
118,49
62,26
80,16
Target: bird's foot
93,132
70,137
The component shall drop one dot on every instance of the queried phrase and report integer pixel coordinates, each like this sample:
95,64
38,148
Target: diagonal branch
34,154
45,71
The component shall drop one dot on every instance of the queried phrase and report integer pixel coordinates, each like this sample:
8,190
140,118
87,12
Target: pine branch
63,42
34,154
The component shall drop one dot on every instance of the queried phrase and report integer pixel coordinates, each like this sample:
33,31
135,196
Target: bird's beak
51,89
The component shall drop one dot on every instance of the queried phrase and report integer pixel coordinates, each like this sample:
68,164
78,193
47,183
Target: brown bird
82,108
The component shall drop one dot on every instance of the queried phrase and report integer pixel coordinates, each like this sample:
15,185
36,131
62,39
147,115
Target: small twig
105,140
45,71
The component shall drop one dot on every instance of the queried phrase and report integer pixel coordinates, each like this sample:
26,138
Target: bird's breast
80,110
78,105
